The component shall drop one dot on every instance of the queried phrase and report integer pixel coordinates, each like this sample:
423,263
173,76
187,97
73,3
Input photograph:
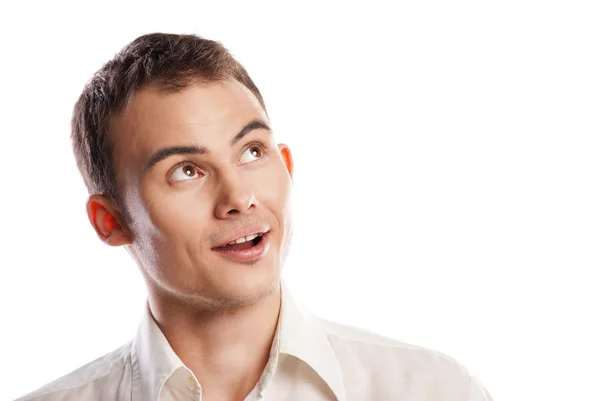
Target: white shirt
312,359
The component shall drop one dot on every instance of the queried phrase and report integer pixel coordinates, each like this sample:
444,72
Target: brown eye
251,154
184,172
256,151
188,171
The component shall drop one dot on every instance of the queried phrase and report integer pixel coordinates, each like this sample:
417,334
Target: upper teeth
244,239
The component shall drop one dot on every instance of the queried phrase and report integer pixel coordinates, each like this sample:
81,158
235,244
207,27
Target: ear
107,221
286,155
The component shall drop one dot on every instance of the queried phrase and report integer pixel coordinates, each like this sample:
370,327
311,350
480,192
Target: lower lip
247,255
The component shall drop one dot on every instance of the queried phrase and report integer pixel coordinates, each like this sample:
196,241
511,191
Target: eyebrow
163,153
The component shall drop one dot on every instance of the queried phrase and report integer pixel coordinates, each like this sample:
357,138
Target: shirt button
191,383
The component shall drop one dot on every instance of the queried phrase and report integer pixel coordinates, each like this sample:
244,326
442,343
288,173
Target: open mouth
242,243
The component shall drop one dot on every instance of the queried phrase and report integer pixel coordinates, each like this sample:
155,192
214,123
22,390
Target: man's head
173,141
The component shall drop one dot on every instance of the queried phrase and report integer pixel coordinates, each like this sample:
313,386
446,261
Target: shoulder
97,380
354,342
372,360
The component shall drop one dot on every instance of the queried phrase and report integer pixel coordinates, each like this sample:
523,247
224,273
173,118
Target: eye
251,154
184,172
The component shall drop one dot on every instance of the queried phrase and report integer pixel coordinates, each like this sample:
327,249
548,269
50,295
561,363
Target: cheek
176,214
272,185
174,232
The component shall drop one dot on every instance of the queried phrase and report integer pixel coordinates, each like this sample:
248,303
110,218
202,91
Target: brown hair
168,60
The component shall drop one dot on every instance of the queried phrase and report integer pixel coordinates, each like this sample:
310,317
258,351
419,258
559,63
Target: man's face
186,207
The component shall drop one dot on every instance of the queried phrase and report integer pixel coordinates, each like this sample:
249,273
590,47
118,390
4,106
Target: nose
234,197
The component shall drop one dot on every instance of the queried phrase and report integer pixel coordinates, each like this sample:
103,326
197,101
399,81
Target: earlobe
286,155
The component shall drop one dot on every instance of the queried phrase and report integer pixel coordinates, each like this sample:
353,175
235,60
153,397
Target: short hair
170,61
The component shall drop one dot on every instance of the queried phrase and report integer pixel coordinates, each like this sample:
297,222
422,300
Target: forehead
203,114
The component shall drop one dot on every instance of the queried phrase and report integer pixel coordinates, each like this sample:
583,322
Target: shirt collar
303,336
299,334
153,359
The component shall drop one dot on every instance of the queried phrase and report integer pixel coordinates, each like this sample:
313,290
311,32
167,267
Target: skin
218,315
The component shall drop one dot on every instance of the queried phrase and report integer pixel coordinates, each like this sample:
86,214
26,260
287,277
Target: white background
446,183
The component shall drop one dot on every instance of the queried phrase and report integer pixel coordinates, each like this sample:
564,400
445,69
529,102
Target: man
172,139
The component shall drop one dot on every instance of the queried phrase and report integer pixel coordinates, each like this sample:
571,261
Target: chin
253,288
243,285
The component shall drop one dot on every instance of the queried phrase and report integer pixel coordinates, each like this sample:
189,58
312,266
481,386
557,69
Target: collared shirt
312,359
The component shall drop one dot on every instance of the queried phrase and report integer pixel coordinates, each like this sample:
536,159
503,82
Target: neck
226,350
